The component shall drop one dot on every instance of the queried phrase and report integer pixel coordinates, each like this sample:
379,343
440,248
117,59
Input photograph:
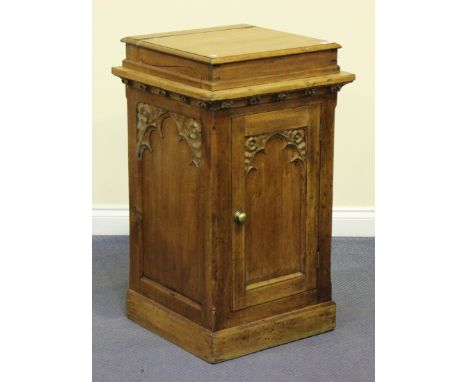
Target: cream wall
350,23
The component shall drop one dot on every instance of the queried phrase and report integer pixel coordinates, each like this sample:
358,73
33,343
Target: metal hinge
318,259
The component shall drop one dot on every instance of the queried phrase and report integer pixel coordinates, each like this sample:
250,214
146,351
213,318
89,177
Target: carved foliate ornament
309,92
238,102
254,100
295,138
280,96
336,88
150,118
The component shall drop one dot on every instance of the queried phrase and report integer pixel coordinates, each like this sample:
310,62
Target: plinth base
233,342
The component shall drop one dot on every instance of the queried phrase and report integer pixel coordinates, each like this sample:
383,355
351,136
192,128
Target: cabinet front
275,194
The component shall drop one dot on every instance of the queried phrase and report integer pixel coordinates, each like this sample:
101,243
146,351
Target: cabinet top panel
231,43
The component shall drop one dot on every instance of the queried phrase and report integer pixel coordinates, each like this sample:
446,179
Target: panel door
275,182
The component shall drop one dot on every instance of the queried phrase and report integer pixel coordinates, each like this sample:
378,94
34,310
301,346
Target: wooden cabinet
230,175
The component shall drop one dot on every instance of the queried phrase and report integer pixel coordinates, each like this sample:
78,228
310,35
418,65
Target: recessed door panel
275,159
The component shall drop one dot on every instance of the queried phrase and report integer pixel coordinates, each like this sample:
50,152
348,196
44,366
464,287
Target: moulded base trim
233,342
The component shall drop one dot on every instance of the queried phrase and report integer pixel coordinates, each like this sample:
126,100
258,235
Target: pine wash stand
230,149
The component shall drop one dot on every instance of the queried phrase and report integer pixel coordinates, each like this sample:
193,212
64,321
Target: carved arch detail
151,118
295,138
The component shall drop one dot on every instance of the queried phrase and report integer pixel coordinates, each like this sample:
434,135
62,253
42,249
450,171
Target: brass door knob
240,217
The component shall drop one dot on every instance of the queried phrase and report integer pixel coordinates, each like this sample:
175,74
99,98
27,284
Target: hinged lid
230,43
230,62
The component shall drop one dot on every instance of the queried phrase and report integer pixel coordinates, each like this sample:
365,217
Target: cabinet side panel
171,239
169,194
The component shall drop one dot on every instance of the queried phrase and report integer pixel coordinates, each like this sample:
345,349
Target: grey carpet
124,351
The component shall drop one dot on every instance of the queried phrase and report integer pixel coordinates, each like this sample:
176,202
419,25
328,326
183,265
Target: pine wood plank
230,43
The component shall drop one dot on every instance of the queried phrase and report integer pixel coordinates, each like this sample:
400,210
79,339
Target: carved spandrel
295,138
151,118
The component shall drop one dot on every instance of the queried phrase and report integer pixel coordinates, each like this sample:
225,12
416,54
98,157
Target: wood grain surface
230,43
206,141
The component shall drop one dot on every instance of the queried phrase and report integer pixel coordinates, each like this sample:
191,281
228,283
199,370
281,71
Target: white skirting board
357,222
